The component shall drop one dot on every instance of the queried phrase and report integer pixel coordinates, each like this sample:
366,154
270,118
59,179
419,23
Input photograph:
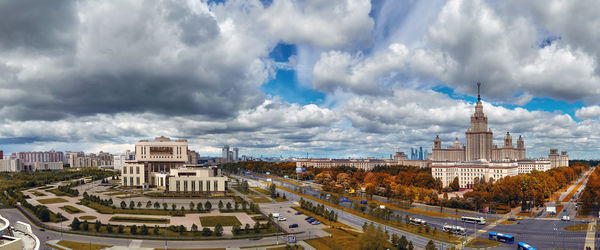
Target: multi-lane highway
541,232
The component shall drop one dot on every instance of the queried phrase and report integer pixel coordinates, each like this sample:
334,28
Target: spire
478,92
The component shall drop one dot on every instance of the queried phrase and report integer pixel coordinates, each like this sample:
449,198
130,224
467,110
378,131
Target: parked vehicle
566,218
344,199
364,202
311,220
417,221
275,215
298,213
316,222
281,219
308,218
293,225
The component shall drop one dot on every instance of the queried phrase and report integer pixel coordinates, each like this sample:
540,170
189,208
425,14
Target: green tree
131,204
219,230
273,190
410,246
45,215
173,207
133,229
156,205
235,230
97,225
247,228
139,204
406,219
194,228
192,206
156,229
208,206
455,184
395,240
256,227
237,205
403,243
373,239
206,231
228,206
220,204
181,229
75,225
144,230
149,204
165,205
430,245
199,207
109,228
85,225
121,229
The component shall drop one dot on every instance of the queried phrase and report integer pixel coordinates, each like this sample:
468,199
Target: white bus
454,229
417,221
474,220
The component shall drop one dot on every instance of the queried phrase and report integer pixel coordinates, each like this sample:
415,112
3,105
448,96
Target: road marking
135,244
590,237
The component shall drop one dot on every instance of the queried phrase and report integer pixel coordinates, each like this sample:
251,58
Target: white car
281,218
566,218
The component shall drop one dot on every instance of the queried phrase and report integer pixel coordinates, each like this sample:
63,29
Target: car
293,225
311,220
315,222
519,218
512,219
298,213
565,218
281,219
308,218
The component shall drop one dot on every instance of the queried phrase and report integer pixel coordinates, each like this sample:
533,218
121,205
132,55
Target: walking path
590,237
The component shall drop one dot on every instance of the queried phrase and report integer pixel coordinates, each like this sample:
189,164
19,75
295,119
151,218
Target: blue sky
286,77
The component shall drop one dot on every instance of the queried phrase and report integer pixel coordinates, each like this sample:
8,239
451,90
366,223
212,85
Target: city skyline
284,78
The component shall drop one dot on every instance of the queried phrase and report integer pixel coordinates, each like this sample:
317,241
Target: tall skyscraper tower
236,152
225,153
479,138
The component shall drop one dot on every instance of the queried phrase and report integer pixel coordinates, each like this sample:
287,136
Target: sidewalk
590,237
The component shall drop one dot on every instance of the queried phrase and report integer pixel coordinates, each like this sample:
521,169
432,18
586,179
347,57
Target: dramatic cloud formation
90,75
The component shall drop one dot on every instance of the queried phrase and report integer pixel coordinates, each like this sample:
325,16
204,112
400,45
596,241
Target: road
541,232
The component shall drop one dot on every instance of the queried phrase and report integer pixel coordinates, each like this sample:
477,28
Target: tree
206,231
85,225
123,205
97,225
406,219
220,204
273,190
165,206
148,204
235,230
403,243
410,245
247,228
156,205
208,206
109,228
45,215
219,229
244,205
75,225
131,204
121,229
133,229
192,206
155,230
237,205
430,245
199,207
256,227
455,184
182,208
144,230
181,229
395,240
373,239
139,204
194,228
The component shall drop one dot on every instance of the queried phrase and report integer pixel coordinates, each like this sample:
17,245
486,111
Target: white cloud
590,112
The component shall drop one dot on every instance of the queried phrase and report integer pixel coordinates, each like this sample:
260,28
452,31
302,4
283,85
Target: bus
454,229
474,220
417,221
524,246
502,237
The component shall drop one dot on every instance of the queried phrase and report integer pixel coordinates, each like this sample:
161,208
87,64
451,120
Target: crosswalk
590,237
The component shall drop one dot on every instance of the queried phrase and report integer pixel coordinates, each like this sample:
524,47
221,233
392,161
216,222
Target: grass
191,248
483,243
36,193
259,199
280,199
211,221
140,220
401,226
81,245
71,209
434,212
320,218
46,187
109,210
577,228
116,193
299,247
258,218
87,217
51,200
56,192
261,190
342,239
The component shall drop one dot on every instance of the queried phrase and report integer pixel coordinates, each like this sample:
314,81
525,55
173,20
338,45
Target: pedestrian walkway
590,237
135,244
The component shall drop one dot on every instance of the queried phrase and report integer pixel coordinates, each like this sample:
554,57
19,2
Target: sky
323,78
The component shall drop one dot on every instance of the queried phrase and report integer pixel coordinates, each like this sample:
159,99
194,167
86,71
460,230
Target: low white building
14,165
470,171
526,166
190,179
38,166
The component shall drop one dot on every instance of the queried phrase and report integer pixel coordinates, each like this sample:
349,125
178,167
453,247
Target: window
131,170
124,181
216,186
185,186
137,170
193,186
131,181
207,186
177,186
124,170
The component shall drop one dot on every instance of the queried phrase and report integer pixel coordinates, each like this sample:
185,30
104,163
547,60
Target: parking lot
305,229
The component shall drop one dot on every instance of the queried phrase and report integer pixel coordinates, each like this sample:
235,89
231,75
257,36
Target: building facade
80,160
479,158
191,179
11,165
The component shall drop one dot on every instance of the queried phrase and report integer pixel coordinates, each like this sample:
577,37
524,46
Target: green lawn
578,227
211,221
81,245
51,200
140,220
71,209
116,193
259,199
87,217
483,243
56,192
262,190
36,193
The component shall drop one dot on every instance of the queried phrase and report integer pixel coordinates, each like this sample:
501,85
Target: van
275,215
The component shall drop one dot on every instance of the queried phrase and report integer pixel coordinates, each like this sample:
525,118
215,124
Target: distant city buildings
1,155
32,161
418,154
229,155
120,159
81,160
